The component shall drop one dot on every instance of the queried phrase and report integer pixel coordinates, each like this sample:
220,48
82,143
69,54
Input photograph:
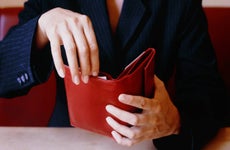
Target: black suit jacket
177,29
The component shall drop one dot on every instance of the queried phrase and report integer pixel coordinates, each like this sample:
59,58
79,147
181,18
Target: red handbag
87,102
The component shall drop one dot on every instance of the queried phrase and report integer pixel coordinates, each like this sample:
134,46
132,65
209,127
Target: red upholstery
8,18
35,108
219,29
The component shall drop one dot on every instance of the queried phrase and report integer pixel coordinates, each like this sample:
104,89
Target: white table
36,138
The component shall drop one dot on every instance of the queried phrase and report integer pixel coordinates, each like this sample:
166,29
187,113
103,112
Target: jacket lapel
97,11
131,17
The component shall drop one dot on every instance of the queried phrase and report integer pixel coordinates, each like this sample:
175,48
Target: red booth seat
219,29
35,108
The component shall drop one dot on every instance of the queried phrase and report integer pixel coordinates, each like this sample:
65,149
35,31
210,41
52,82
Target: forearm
20,58
15,58
221,141
40,39
198,86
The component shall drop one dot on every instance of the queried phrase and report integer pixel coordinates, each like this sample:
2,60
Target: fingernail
114,134
76,80
61,73
108,120
94,74
85,79
121,97
108,108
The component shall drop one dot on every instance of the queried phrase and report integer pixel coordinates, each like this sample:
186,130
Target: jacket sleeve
200,92
21,66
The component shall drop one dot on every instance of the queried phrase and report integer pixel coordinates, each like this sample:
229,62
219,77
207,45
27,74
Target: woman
107,35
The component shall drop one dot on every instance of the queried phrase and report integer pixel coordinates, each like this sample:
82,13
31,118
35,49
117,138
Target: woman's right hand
75,32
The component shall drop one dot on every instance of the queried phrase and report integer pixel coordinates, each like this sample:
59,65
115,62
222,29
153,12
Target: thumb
159,87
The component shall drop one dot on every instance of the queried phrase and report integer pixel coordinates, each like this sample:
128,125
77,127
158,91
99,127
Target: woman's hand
75,32
159,117
221,141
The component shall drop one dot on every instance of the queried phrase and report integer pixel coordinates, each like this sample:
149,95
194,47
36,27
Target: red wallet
87,102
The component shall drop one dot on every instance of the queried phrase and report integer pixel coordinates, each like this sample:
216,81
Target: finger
83,52
136,101
130,118
121,140
126,141
128,132
160,89
157,80
70,48
56,54
92,43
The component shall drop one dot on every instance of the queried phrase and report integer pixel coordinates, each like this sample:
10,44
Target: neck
114,10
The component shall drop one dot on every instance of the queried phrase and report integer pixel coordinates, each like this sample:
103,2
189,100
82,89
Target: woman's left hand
159,117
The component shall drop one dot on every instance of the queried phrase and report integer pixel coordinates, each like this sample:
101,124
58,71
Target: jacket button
19,80
26,76
23,78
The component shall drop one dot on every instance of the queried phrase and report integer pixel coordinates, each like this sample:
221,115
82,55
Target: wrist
177,123
41,39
